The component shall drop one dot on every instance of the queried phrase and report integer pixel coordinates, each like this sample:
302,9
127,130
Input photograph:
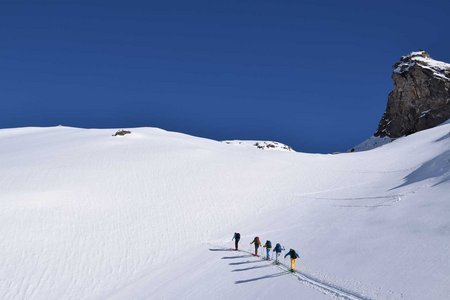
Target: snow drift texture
150,215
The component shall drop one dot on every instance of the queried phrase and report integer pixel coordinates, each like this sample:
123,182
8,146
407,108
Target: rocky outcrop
420,98
272,145
121,132
263,145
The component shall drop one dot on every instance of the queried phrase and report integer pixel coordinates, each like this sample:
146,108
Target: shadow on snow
436,168
251,268
221,249
233,257
245,262
262,277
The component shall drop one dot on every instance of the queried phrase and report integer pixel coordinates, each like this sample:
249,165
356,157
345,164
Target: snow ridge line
327,287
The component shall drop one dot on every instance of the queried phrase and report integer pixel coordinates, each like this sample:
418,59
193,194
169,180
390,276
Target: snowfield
150,215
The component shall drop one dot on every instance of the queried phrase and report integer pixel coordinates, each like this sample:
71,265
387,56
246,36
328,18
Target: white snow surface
150,215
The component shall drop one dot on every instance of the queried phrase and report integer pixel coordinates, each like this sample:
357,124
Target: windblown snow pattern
150,215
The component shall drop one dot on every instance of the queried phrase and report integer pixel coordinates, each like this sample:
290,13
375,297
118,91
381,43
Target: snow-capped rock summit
424,60
420,98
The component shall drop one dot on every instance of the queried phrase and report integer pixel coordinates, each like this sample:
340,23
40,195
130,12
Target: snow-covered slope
150,215
372,143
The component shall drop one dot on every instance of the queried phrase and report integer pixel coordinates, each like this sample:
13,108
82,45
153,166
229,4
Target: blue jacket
278,248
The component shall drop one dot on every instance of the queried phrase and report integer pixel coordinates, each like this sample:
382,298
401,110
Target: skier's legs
277,254
256,249
268,253
292,264
236,244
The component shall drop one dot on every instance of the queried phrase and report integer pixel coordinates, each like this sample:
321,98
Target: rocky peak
420,98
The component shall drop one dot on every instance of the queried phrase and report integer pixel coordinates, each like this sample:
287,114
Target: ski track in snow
325,287
387,201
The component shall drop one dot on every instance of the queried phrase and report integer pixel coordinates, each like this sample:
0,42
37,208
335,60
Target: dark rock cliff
420,98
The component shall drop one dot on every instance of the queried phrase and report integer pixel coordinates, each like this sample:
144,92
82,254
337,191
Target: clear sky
312,74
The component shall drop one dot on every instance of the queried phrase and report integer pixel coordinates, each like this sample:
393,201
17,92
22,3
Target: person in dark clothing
268,246
236,238
294,255
278,248
257,243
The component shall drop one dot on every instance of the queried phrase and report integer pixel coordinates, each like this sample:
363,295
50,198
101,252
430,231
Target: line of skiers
268,245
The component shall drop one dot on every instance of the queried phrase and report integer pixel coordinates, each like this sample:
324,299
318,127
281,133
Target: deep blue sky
312,74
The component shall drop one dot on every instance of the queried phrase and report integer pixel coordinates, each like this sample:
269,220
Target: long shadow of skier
220,249
262,277
245,262
251,268
233,257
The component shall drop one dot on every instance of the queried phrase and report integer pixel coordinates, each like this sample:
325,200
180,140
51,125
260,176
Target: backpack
268,244
294,254
237,236
278,247
257,241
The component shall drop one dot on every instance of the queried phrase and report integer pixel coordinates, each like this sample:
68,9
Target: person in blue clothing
268,246
294,255
278,248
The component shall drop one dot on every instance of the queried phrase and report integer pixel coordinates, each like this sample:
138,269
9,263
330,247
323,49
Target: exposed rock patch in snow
121,132
263,145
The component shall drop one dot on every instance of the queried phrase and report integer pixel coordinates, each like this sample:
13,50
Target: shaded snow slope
85,215
372,143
